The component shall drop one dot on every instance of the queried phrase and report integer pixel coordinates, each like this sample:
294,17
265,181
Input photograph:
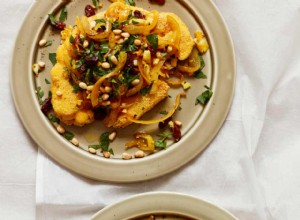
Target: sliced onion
170,113
96,90
191,64
94,34
179,79
143,29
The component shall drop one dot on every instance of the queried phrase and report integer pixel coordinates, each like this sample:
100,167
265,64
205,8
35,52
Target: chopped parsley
68,135
200,75
96,3
162,141
130,2
146,90
63,14
128,45
204,97
40,94
47,81
164,112
48,43
153,40
53,118
52,58
103,143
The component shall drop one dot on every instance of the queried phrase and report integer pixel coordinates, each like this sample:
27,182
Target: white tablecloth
251,167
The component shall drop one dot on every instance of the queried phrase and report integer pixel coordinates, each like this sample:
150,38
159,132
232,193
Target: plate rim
87,161
163,202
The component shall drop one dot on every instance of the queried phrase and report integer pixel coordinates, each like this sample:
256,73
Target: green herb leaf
63,14
153,40
165,135
53,118
76,88
96,3
68,135
47,81
104,47
111,151
199,74
52,58
40,94
202,62
128,76
71,39
160,144
128,45
146,90
204,97
130,2
52,19
95,146
164,112
99,21
104,141
48,43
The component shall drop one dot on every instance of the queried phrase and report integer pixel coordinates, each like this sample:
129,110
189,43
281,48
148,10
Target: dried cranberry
160,2
91,61
100,113
81,69
46,106
89,11
152,50
176,132
138,14
60,25
130,58
164,123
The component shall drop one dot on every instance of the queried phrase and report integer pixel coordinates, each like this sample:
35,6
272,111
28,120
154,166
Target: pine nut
139,154
85,43
106,154
90,88
107,89
105,65
60,129
117,31
178,123
106,103
102,89
135,82
92,150
83,85
114,59
58,93
105,97
137,42
112,135
124,111
41,64
169,49
42,42
126,156
75,141
125,35
135,62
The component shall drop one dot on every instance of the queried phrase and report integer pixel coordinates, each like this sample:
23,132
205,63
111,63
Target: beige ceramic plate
164,205
200,125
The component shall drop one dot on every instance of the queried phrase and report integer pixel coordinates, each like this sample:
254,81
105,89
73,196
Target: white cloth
251,167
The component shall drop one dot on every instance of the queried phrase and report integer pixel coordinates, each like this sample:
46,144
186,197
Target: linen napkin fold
251,167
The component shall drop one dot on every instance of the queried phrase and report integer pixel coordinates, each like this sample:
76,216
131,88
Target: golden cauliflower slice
67,104
138,106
